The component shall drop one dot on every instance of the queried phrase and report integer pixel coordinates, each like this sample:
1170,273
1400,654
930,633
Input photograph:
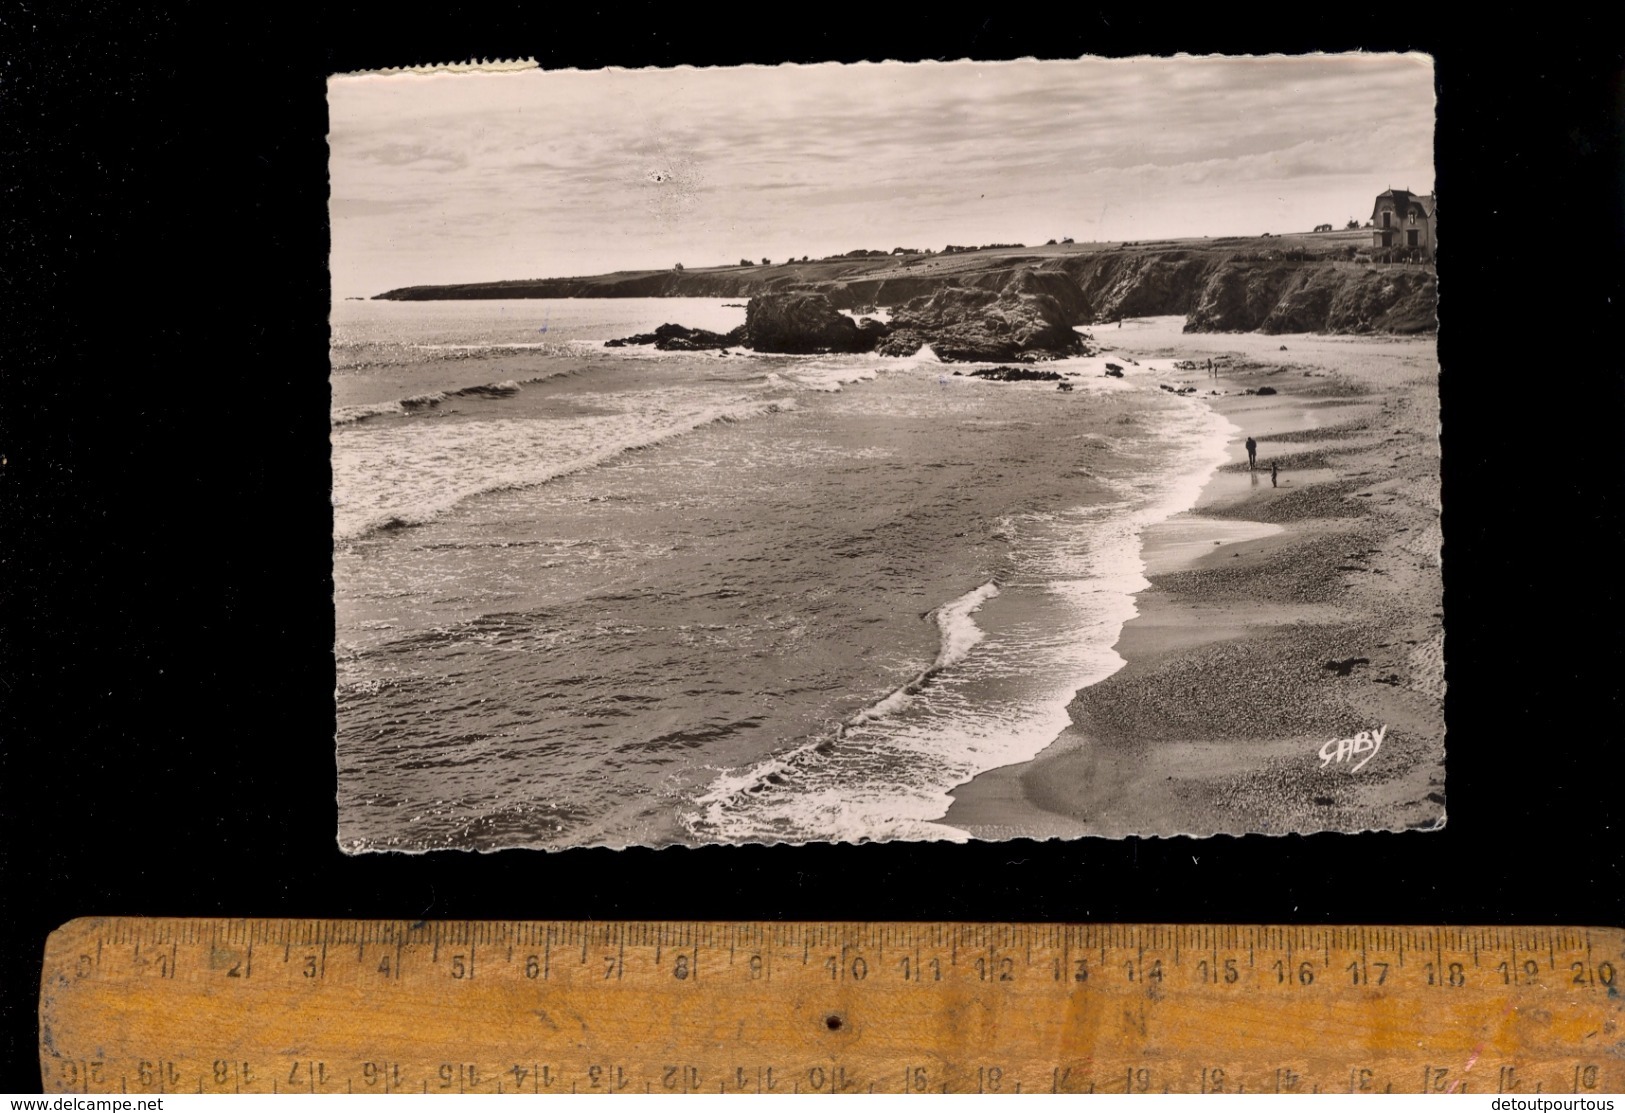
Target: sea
592,596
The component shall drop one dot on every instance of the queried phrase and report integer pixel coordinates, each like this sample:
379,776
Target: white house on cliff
1401,218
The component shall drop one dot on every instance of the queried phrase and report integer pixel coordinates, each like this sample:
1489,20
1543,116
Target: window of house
1385,219
1410,237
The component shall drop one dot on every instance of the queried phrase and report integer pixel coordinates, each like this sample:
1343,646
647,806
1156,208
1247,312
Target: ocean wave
437,497
365,354
959,635
527,346
829,377
417,403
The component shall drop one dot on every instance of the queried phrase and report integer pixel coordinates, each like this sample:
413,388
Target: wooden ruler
135,1005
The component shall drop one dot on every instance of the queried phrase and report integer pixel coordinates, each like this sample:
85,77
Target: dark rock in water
1344,667
1015,375
901,342
803,324
678,338
1117,373
1020,321
1063,386
1283,347
958,372
875,330
1115,367
1266,390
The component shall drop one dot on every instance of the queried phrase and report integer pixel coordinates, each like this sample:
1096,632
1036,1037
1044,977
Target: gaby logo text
1340,750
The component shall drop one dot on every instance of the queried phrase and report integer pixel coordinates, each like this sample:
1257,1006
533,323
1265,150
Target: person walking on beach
1274,471
1210,372
1252,454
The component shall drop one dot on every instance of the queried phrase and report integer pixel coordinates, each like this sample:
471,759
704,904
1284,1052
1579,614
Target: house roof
1404,201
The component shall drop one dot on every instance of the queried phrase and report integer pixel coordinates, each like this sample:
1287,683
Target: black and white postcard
886,451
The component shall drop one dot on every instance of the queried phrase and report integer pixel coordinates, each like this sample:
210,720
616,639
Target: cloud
807,159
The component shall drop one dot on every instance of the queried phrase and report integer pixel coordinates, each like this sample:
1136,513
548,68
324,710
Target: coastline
1284,616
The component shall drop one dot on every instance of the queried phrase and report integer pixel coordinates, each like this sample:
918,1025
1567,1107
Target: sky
479,176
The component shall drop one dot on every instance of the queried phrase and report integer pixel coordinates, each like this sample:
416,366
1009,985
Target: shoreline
1285,616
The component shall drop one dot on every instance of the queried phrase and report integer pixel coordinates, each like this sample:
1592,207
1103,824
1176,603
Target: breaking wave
417,403
959,635
430,494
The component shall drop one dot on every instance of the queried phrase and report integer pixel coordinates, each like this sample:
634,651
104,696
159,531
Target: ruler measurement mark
1164,963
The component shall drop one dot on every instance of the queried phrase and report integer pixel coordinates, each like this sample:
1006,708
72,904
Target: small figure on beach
1210,372
1274,471
1252,454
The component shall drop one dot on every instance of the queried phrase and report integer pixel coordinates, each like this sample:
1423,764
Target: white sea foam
829,374
959,636
417,403
349,415
394,475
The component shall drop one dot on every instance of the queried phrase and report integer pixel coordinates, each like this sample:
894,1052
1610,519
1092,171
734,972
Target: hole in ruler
832,1022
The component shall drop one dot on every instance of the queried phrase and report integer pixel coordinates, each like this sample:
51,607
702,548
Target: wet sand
1278,618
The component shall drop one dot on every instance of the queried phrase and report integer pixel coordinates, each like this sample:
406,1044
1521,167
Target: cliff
1254,292
1308,283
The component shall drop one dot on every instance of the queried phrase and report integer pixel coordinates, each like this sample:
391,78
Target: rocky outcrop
855,293
873,331
1021,322
1015,375
676,338
804,324
1070,299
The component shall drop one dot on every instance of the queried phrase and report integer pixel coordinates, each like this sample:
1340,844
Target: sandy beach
1280,620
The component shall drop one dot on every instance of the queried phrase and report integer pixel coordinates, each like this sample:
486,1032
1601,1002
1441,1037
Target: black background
165,652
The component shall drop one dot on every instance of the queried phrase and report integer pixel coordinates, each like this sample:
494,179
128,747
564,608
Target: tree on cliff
678,267
766,262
